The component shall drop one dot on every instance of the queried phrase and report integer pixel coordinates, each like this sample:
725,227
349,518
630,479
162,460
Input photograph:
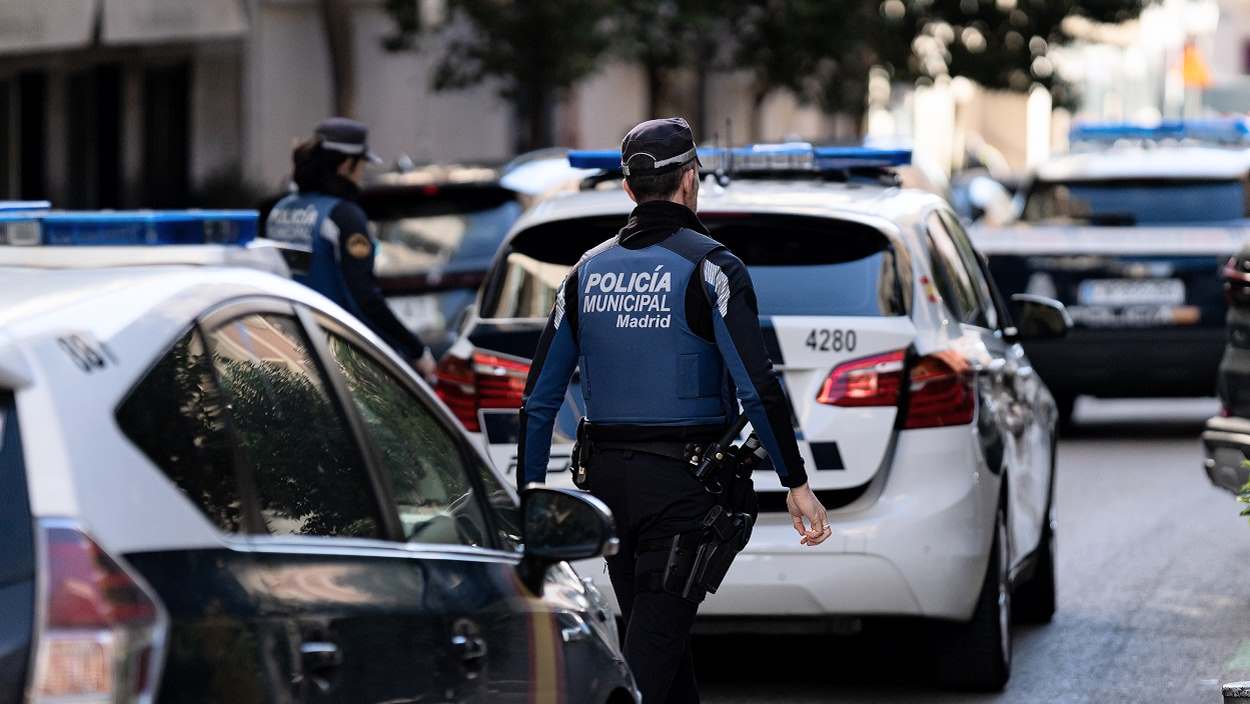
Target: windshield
1136,201
799,265
417,243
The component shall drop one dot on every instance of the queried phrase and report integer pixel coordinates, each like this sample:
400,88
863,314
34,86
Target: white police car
1130,231
924,429
219,486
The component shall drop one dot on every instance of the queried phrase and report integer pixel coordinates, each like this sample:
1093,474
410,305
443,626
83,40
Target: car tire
976,656
1034,601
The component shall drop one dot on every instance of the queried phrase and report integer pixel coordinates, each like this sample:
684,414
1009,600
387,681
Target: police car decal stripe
714,276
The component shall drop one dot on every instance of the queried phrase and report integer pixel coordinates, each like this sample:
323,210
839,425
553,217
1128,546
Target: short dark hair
660,186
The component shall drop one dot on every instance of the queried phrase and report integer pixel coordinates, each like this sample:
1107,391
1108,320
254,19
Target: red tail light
940,389
941,392
102,631
868,381
485,381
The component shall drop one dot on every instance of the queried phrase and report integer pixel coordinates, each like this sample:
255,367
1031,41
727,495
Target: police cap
346,136
658,146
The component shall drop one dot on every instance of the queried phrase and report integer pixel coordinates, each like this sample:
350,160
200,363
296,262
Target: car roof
1148,162
868,203
102,302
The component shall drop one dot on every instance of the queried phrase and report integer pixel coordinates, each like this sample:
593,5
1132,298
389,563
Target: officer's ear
629,191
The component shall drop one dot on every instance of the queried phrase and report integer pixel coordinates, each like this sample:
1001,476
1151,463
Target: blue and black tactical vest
299,220
641,363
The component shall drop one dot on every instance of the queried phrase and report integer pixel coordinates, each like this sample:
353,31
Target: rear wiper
1111,219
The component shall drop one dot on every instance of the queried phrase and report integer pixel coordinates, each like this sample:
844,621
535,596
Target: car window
433,493
309,476
952,279
1144,201
176,416
502,504
799,265
968,255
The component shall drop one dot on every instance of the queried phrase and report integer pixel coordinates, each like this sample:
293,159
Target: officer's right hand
803,505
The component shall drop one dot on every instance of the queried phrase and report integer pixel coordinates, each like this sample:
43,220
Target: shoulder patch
358,245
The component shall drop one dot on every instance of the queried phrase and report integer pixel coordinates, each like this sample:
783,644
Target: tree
666,35
536,50
336,22
1000,44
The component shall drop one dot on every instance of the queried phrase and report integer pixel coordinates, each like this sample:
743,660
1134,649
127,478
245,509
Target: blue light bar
789,156
140,227
9,206
1231,130
602,159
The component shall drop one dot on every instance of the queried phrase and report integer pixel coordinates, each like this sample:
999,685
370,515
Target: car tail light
484,381
868,381
101,635
940,389
941,392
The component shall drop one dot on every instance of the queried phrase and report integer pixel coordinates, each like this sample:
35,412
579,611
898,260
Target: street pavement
1154,590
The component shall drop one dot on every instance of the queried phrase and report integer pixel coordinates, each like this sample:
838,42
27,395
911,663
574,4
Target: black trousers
652,498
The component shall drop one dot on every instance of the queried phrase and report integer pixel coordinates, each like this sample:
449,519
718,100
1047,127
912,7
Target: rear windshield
439,227
799,265
1136,201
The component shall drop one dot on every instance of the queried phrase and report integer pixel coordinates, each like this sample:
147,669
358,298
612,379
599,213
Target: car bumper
1226,442
919,549
1129,363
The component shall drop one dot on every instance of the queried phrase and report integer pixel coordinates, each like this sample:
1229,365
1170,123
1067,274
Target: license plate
1128,292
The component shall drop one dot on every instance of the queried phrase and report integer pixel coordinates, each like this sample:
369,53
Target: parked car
219,486
1129,233
925,431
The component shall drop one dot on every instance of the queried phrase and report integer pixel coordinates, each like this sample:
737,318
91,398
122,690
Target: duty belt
672,450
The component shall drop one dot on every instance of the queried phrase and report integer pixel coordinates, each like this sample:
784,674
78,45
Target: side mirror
1039,318
562,525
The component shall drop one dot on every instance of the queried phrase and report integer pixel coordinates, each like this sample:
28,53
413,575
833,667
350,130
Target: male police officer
663,323
323,221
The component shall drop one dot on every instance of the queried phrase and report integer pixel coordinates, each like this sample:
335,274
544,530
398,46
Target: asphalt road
1154,590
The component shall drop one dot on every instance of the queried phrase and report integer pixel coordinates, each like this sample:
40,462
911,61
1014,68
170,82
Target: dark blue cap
346,136
658,146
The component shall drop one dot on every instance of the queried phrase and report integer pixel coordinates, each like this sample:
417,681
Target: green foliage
535,50
407,17
1000,44
1244,496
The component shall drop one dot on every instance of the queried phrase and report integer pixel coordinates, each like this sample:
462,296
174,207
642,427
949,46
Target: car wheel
976,655
1035,599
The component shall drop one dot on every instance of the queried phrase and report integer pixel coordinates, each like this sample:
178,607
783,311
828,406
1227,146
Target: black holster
582,450
699,560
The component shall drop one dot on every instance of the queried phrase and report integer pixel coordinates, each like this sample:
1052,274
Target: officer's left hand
426,366
803,504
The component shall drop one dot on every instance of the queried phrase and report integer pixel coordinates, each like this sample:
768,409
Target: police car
1130,231
218,486
924,429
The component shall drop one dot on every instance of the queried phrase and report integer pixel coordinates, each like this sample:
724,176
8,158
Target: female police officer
660,369
323,223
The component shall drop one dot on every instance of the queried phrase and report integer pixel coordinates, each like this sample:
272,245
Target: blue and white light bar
1230,130
15,206
128,228
755,158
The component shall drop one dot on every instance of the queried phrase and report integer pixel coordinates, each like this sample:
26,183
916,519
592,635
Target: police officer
323,221
662,368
